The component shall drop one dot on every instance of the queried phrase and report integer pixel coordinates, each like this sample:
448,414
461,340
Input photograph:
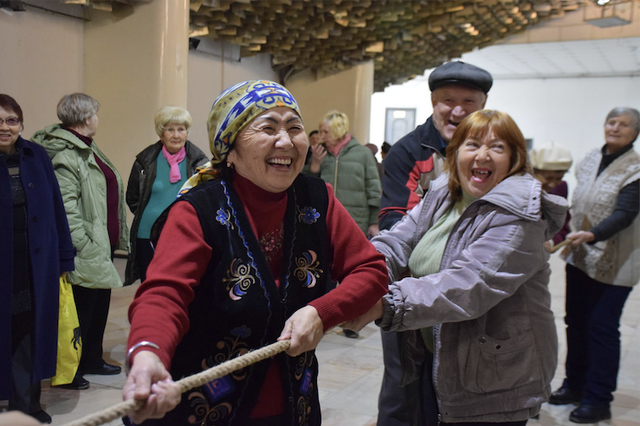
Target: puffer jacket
84,192
143,174
495,343
354,177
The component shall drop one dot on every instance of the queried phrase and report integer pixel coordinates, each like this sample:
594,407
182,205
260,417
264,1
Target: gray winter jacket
495,343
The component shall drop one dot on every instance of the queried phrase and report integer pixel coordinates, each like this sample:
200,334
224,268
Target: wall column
348,91
133,65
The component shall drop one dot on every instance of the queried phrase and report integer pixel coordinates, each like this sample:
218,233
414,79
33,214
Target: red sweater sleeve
357,266
182,256
159,311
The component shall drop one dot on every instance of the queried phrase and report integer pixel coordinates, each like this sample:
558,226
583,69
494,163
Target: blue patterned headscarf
236,107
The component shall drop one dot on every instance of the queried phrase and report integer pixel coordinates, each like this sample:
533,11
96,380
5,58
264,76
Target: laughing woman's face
270,151
482,164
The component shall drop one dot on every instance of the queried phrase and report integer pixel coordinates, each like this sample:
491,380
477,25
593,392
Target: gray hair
172,114
75,109
633,114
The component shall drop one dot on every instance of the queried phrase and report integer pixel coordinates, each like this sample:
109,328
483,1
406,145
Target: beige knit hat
551,157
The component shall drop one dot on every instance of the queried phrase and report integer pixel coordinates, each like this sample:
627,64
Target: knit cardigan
614,261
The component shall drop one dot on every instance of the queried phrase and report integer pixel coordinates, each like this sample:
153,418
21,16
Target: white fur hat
551,157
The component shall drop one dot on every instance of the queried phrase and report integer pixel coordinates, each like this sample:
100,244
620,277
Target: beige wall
349,91
208,76
133,66
42,59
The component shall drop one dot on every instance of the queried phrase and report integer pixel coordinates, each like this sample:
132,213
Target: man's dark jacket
412,162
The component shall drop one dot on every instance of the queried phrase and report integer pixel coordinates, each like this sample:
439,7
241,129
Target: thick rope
122,409
559,246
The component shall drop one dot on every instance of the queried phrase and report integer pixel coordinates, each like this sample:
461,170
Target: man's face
314,139
451,104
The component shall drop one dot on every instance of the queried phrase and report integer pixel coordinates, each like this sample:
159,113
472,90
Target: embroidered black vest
238,308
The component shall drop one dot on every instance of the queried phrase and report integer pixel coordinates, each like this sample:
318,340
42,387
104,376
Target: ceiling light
609,13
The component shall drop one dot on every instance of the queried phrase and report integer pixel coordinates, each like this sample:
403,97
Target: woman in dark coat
36,249
157,175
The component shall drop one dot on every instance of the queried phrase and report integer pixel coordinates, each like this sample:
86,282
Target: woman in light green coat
351,169
93,196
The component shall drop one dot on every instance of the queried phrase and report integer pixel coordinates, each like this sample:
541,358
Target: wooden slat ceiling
402,37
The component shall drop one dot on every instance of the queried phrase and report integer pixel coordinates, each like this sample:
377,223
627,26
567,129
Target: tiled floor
351,370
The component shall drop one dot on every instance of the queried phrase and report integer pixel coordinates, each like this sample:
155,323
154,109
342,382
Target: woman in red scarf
157,175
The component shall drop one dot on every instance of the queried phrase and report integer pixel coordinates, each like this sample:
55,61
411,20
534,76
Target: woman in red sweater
243,259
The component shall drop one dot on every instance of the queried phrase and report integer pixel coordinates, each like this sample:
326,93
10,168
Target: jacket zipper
436,328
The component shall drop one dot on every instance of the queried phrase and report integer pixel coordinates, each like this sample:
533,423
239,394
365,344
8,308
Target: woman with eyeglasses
36,249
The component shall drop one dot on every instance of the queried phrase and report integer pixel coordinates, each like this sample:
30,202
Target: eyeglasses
11,121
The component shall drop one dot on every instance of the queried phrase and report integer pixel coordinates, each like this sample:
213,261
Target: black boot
41,416
564,396
589,414
78,383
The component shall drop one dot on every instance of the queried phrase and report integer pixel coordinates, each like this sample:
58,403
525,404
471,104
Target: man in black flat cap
457,90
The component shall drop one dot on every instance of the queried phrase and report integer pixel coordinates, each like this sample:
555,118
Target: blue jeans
593,339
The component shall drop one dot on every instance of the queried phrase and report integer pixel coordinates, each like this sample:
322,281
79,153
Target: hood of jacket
533,204
522,195
54,139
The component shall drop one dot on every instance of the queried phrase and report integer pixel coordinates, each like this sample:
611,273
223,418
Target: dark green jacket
354,177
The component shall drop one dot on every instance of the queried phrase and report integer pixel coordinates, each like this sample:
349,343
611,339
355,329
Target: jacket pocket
489,365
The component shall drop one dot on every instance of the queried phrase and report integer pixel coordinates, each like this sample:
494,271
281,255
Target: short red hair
478,125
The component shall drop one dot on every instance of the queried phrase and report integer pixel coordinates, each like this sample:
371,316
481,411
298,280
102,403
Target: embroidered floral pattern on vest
224,217
205,415
308,215
304,375
239,278
240,282
204,400
271,243
308,271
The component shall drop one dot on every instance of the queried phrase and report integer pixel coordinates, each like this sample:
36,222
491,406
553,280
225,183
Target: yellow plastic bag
69,342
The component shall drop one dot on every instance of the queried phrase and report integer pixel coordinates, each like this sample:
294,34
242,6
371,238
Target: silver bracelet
127,360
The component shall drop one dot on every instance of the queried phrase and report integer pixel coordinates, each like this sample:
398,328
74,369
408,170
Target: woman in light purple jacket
469,277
